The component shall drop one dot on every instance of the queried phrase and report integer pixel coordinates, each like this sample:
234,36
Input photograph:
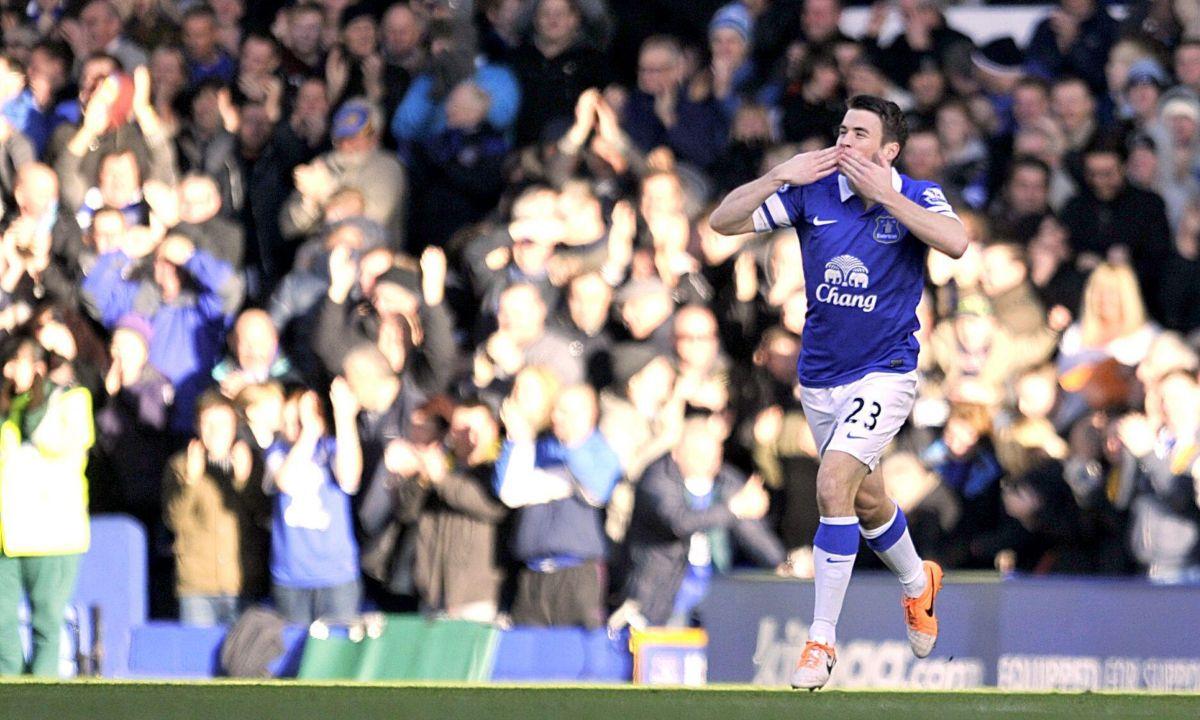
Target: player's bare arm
874,184
735,214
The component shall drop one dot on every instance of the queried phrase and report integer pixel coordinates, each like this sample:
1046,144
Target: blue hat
734,16
351,118
1144,71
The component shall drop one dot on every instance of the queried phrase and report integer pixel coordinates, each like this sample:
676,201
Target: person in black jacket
926,36
557,62
1074,39
458,173
404,317
1181,277
1115,221
690,512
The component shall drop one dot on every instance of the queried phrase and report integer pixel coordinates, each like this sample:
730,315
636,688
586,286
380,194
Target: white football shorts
862,417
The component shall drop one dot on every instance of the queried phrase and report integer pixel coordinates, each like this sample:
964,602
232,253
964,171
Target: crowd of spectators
416,306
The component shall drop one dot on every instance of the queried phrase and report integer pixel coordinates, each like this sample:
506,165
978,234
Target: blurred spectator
458,172
926,35
703,370
1005,282
660,112
132,442
1187,64
964,153
256,356
922,156
641,417
1051,271
976,356
1176,140
356,161
194,211
452,49
560,57
353,66
1075,39
1181,276
119,142
1063,536
457,569
646,308
586,320
730,73
98,30
1074,109
965,462
1023,202
560,483
1158,478
213,502
813,106
783,449
402,44
189,299
692,512
1112,335
1140,91
206,58
303,26
314,556
45,432
1115,222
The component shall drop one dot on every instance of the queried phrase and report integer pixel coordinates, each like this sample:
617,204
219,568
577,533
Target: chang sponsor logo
844,274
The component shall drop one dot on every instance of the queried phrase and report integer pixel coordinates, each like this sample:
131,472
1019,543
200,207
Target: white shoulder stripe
774,206
761,224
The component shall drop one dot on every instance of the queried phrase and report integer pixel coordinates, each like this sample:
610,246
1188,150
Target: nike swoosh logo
856,437
818,221
831,560
932,597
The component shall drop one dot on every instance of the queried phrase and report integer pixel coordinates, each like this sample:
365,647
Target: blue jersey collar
847,193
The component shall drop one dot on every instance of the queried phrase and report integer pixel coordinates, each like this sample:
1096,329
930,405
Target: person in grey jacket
691,511
356,161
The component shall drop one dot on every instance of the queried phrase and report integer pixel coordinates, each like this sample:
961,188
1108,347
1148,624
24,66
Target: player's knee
866,505
833,494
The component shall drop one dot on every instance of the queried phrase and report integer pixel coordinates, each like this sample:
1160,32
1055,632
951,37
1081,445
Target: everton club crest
887,230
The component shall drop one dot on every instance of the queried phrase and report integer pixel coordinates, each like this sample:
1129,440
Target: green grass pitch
290,700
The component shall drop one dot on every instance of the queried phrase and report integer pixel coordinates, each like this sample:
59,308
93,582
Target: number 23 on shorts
868,420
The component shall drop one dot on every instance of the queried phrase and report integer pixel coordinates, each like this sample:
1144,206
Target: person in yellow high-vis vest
45,432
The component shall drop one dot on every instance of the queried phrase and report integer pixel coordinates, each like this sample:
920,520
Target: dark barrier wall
1033,634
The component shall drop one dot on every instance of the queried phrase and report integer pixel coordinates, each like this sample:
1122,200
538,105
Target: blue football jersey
863,275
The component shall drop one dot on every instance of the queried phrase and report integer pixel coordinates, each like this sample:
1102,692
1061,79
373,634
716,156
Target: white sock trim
872,534
851,520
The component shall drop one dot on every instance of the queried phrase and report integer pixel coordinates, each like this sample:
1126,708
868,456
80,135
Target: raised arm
348,464
738,212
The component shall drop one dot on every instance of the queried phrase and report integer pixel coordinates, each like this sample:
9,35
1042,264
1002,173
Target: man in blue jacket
560,482
190,299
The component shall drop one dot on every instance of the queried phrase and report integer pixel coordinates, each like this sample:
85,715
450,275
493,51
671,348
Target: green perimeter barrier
409,648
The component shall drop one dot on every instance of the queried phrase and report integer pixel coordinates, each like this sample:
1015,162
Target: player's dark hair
895,125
